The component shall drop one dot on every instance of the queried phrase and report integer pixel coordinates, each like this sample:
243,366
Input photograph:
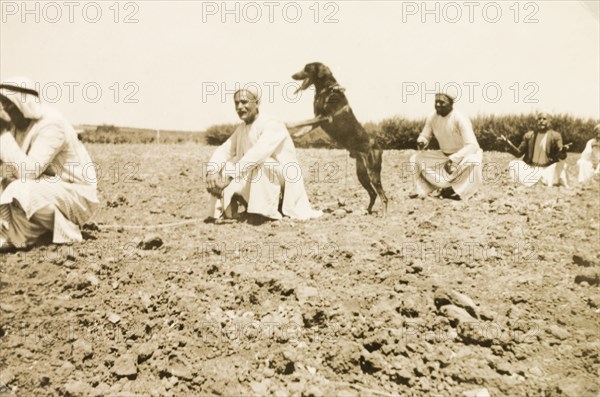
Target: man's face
443,106
246,106
542,122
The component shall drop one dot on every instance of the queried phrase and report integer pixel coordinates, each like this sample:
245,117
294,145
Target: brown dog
339,122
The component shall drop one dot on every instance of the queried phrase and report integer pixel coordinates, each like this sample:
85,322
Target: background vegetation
392,133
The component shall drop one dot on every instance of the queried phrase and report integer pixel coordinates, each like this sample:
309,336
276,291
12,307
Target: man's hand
503,138
449,167
567,146
421,143
216,183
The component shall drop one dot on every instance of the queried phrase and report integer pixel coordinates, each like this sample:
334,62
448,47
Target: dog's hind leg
375,160
363,177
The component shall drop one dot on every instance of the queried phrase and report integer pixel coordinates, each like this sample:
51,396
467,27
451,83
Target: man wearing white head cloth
543,155
48,181
258,165
456,169
589,162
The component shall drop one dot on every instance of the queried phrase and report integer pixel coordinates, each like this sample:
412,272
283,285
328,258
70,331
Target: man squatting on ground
589,162
258,164
47,179
543,155
456,169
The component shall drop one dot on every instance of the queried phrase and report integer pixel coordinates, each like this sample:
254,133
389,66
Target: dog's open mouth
305,84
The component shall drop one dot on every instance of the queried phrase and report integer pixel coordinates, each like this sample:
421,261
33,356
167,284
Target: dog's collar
334,87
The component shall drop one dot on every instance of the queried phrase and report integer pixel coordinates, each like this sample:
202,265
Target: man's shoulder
270,122
458,115
432,116
554,133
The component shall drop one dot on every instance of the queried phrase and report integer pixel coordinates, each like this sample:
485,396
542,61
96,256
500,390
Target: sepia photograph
299,198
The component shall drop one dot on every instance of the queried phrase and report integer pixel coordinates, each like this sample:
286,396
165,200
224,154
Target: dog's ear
323,71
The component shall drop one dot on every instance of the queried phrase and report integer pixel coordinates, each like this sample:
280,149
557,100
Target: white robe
529,175
589,162
261,158
458,143
48,182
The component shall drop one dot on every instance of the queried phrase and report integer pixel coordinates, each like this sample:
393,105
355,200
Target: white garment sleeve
469,140
44,147
222,154
271,137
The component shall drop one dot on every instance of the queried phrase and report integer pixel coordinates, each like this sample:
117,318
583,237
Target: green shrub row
402,133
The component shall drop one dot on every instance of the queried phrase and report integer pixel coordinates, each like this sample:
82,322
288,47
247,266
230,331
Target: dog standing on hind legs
334,115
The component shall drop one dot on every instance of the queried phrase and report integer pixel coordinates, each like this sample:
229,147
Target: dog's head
313,73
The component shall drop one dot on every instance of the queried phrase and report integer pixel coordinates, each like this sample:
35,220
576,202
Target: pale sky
181,62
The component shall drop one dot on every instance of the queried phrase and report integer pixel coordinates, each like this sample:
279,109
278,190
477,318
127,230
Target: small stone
477,393
457,315
340,213
591,276
558,332
77,388
146,300
305,293
92,279
150,241
536,371
576,387
146,350
462,300
82,350
444,297
504,368
114,318
101,390
125,365
581,261
181,371
260,388
7,377
44,380
6,307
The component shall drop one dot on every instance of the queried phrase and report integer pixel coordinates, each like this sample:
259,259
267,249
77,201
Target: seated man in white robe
456,169
257,167
47,179
543,156
589,162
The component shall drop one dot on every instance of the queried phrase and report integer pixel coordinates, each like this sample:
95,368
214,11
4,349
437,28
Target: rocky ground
494,296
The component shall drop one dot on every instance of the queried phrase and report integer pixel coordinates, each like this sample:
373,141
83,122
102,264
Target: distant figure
589,162
257,168
543,154
47,180
456,169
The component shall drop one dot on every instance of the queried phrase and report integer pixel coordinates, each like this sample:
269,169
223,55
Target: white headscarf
21,91
252,88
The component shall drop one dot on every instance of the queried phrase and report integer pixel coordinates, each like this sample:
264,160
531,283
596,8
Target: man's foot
449,193
6,247
225,221
413,195
255,219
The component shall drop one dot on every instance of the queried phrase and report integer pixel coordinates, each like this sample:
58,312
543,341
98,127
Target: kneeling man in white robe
258,164
456,169
47,179
589,162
